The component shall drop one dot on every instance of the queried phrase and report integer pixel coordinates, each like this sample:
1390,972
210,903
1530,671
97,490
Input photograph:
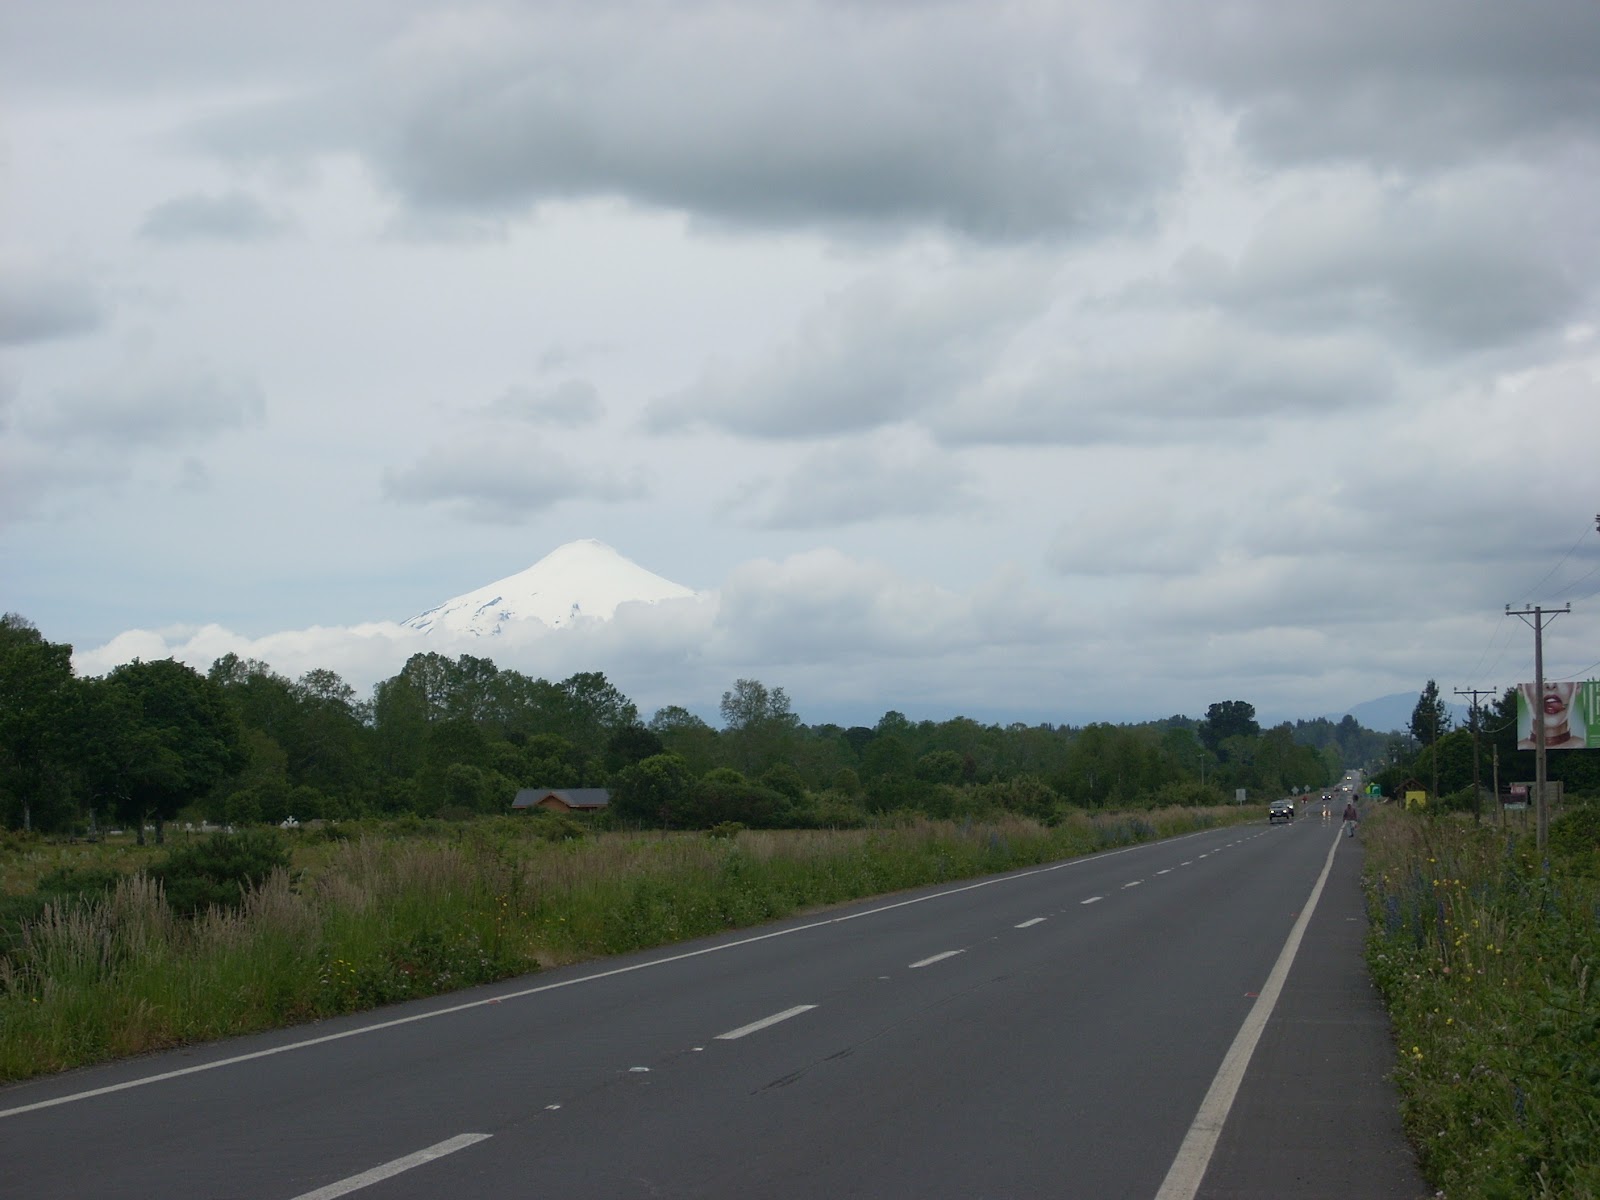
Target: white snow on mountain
585,578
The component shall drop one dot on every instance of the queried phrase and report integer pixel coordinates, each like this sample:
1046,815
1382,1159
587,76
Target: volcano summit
581,579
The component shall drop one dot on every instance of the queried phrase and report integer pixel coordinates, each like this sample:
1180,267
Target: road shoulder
1316,1114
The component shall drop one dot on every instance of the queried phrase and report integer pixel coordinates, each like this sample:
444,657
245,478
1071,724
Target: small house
562,800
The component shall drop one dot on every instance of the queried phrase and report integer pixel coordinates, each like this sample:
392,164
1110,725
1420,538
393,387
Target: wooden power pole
1477,792
1540,616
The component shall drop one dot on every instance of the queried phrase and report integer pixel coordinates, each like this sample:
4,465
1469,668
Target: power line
1534,589
1583,671
1477,671
1584,578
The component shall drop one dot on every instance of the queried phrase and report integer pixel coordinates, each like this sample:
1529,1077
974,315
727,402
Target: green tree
939,766
433,676
167,736
759,725
1228,719
400,725
631,744
651,792
472,686
596,711
1430,719
328,751
38,702
687,736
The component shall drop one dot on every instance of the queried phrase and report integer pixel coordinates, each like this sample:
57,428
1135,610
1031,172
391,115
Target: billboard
1570,712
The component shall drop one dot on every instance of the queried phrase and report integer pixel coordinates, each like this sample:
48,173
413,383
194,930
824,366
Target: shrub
1188,793
1026,794
845,780
830,810
1575,837
1576,831
557,827
785,780
714,801
325,831
67,882
217,872
940,766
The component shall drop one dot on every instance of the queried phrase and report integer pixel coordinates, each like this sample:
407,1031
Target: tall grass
382,918
1487,959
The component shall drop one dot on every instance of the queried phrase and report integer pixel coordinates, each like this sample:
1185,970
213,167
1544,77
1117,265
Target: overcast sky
1043,361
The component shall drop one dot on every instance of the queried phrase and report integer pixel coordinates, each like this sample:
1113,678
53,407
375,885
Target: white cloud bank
849,638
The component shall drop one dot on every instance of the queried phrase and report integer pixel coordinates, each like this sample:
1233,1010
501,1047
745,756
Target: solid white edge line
1194,1155
754,1026
390,1169
550,987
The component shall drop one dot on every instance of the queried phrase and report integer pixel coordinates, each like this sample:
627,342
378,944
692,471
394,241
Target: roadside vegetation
1488,958
119,950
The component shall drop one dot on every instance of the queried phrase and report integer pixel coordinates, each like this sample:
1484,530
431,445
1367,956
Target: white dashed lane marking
390,1169
754,1026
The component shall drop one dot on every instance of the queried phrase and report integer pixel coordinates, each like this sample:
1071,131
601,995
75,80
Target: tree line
149,742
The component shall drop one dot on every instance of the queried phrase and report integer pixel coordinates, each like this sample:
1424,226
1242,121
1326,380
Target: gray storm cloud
758,116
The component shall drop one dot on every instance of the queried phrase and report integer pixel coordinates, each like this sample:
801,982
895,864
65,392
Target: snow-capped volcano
581,579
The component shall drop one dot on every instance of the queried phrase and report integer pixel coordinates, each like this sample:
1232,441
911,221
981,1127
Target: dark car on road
1280,810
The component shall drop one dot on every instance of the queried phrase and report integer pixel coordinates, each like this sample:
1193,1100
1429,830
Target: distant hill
1391,714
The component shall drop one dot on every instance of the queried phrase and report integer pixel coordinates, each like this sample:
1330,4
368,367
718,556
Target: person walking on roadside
1351,818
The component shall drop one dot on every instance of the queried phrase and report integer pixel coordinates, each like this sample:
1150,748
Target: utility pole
1501,808
1477,795
1539,615
1433,753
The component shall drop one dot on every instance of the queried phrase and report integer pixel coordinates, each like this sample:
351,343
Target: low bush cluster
218,871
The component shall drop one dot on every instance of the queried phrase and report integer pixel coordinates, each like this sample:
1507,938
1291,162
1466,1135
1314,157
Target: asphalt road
1049,1032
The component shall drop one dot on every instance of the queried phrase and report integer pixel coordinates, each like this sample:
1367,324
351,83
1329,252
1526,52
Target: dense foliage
243,745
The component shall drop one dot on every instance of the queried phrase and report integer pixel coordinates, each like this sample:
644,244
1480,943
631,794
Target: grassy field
1488,960
382,913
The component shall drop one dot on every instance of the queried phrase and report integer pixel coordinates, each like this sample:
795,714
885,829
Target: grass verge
397,914
1486,958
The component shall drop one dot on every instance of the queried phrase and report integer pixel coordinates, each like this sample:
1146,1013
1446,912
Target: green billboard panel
1570,712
